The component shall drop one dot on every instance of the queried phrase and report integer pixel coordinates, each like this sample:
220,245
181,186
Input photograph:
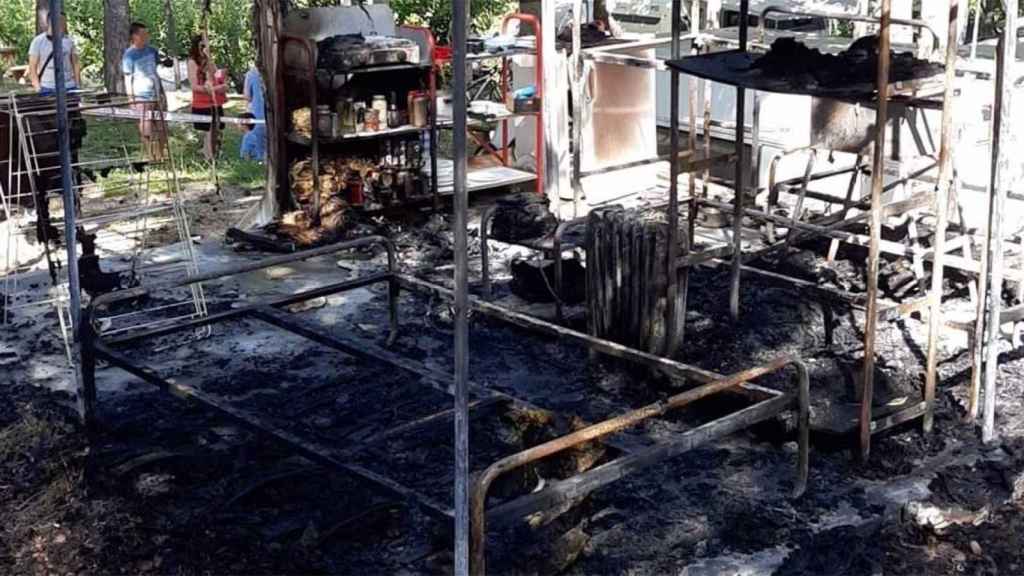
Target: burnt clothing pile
348,51
591,34
791,59
536,283
522,217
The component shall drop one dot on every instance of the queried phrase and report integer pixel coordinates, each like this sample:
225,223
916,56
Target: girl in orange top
207,93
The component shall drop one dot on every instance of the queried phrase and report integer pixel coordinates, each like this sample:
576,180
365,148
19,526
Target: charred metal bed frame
870,422
767,404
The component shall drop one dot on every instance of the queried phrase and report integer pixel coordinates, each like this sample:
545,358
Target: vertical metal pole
460,11
577,108
942,209
432,135
70,232
737,214
671,303
974,31
1002,181
877,183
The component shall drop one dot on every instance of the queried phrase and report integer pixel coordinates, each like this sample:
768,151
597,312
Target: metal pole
874,251
1002,181
942,209
671,303
737,214
70,233
460,12
576,102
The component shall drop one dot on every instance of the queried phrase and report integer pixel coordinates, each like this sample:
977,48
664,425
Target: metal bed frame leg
942,209
874,252
460,11
485,250
804,428
737,215
672,304
86,397
394,293
1002,179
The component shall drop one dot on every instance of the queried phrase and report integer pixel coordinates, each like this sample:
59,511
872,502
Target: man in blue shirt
254,142
139,66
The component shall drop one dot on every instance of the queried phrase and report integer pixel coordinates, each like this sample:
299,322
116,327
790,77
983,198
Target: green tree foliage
437,14
17,24
230,30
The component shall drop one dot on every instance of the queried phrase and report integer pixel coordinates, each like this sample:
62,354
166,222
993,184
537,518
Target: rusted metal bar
666,365
216,273
830,231
942,211
740,175
1002,180
798,209
562,491
597,431
896,418
775,187
241,312
697,258
633,164
874,249
434,419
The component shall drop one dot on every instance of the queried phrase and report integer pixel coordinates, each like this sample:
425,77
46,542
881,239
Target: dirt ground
166,486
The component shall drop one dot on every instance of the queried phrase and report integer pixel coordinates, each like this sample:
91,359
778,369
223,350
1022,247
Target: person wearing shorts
209,92
142,83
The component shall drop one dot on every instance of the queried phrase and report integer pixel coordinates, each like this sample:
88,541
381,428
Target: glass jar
371,120
324,123
347,115
380,104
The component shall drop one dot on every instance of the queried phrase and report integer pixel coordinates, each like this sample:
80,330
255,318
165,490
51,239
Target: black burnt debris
791,59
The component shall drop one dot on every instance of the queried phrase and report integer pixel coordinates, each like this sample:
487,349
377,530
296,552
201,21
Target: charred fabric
791,59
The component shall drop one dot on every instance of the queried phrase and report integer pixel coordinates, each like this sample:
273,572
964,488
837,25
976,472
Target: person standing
254,142
40,61
139,66
209,91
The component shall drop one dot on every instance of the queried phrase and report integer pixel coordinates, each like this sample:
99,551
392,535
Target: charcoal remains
522,217
791,59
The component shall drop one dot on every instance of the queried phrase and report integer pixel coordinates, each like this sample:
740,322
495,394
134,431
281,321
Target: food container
394,116
354,185
380,104
419,109
324,124
346,116
359,112
372,120
335,125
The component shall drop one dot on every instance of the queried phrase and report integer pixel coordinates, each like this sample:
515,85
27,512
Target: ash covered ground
169,487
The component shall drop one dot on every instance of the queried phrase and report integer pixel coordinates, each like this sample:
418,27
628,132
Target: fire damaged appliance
357,108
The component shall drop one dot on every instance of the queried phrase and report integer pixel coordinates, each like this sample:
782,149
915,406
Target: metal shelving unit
309,76
710,67
492,177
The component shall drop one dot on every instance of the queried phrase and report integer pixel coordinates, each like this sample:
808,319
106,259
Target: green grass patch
115,140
